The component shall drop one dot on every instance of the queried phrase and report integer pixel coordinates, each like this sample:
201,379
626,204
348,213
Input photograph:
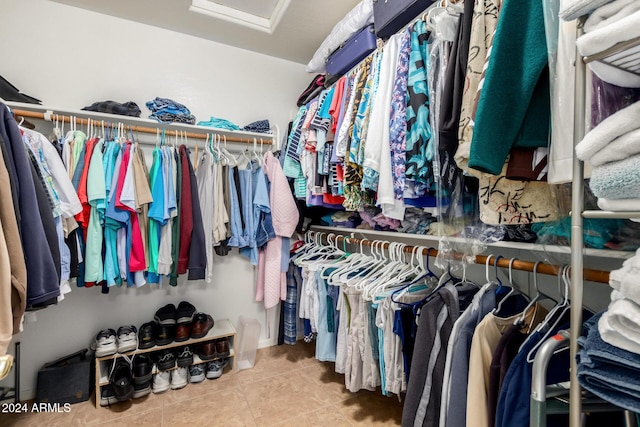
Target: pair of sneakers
109,342
174,379
211,370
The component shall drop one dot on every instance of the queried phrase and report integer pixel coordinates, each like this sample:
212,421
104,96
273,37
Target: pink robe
271,286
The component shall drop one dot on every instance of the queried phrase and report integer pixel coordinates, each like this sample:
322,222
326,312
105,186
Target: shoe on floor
214,369
185,357
6,362
196,373
105,343
161,381
142,369
141,390
201,325
121,380
107,396
164,334
185,313
166,315
147,335
179,378
127,338
166,360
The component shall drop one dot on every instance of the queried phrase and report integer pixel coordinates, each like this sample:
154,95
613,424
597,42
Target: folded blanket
623,147
619,205
573,9
620,325
606,36
614,126
359,17
610,13
608,371
617,180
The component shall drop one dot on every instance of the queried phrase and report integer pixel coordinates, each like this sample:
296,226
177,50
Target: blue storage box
354,50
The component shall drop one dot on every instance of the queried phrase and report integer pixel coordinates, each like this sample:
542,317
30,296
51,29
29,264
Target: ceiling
287,29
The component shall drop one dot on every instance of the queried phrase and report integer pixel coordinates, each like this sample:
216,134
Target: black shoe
141,390
146,335
185,313
185,357
165,334
166,360
142,369
121,380
166,315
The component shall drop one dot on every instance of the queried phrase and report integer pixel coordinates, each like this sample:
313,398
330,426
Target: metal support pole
577,243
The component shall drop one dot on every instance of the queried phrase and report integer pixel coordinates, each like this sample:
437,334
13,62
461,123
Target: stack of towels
609,23
609,361
613,149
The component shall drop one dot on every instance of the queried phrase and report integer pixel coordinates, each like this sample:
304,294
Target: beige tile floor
286,387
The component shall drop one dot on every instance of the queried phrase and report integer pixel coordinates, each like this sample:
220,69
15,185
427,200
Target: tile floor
287,387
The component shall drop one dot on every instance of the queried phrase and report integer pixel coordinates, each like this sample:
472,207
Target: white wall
69,57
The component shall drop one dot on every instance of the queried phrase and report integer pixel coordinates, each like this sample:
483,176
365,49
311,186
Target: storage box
389,16
248,336
354,50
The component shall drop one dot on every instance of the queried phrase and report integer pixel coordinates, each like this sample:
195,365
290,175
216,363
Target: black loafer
166,315
146,335
164,334
185,313
142,369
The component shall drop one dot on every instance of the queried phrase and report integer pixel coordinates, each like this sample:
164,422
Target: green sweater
514,105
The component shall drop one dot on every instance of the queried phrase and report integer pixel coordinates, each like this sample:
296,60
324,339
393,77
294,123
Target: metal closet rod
543,268
135,128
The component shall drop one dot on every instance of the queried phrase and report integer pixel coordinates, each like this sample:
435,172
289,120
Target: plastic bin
248,336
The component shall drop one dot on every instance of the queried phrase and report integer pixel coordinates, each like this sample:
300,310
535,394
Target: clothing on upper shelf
166,110
129,108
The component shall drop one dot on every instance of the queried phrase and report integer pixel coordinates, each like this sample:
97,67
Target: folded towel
614,126
619,205
574,9
617,180
610,13
623,147
620,325
606,36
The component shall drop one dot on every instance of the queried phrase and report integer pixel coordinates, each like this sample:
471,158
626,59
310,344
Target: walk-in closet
337,213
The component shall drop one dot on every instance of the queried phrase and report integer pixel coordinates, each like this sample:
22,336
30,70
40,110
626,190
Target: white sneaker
196,373
127,338
161,381
105,343
179,378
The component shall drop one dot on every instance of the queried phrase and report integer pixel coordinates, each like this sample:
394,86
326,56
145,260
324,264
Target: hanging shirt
205,176
156,214
96,197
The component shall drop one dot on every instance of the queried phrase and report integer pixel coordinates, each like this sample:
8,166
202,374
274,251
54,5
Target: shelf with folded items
433,241
136,124
619,56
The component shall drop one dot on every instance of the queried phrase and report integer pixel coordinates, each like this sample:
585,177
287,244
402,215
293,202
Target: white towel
614,126
576,8
610,13
607,36
620,325
620,148
619,205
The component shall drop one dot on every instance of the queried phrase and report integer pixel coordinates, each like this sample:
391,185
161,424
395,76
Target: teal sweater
514,105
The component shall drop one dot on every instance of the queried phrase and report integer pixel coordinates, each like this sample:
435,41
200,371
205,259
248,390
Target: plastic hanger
538,297
511,292
557,314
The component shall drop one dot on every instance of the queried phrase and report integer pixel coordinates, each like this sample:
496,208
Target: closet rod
136,128
543,268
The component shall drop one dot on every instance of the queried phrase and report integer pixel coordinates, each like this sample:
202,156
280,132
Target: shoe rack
221,329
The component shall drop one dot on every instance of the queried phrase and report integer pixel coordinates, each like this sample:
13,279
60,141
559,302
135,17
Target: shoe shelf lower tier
221,329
